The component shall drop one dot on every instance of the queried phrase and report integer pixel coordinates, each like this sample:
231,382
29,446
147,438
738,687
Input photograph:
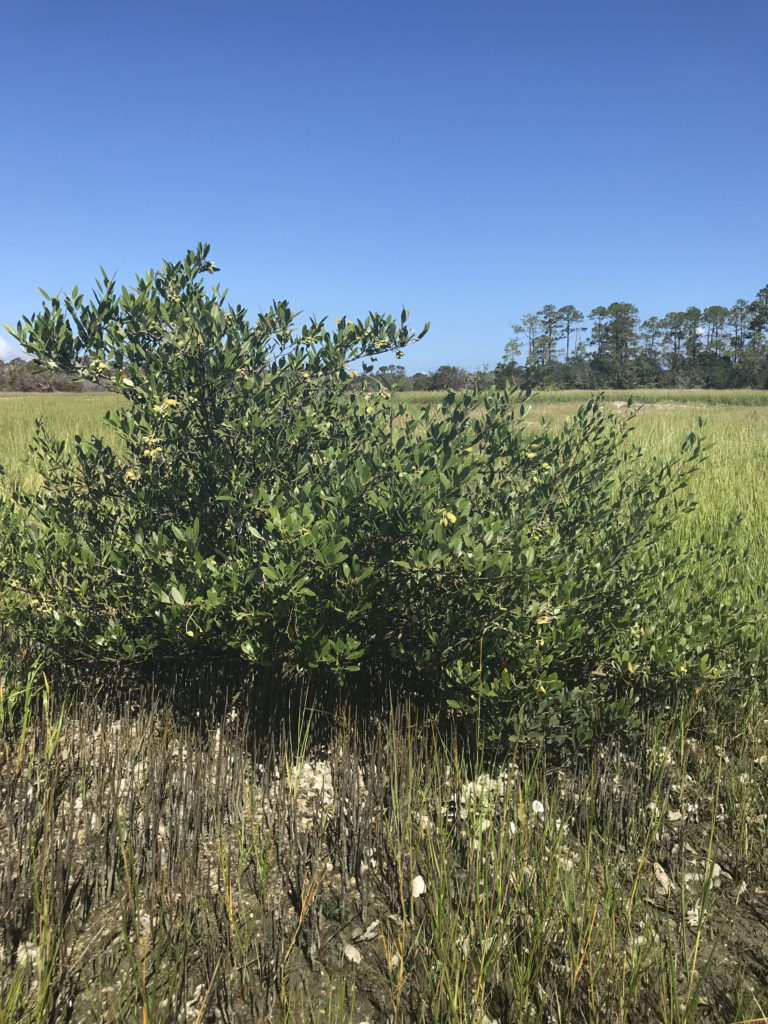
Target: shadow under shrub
252,502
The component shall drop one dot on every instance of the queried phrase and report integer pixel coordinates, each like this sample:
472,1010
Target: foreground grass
153,869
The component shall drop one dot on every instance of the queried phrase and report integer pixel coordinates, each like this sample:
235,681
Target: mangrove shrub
255,496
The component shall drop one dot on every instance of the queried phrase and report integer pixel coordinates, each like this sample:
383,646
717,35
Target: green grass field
646,396
64,415
731,482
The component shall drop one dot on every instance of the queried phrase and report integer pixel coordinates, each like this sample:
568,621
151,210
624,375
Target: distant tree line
444,378
715,347
26,376
23,375
558,346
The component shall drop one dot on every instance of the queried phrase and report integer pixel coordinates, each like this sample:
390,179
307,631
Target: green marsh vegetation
67,415
486,737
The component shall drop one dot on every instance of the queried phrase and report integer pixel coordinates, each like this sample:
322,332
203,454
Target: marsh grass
729,489
155,868
645,396
64,414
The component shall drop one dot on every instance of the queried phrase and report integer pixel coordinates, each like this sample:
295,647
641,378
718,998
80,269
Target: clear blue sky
469,160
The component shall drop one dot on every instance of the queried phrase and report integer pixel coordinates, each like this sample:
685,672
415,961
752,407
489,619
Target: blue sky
471,161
